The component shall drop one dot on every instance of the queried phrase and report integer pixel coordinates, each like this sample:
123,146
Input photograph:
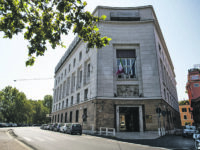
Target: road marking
27,139
50,139
39,139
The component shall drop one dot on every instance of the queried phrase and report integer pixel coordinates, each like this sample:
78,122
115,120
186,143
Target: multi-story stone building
129,85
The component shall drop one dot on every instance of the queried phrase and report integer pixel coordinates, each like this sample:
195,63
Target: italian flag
120,68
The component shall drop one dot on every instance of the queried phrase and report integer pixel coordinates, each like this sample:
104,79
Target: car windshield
76,125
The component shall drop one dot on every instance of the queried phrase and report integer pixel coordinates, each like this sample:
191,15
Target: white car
63,127
189,131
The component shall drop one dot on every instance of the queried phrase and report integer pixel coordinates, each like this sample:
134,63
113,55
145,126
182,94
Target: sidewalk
7,142
137,135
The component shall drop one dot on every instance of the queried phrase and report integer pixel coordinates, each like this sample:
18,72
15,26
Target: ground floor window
58,118
77,115
70,117
65,117
84,114
61,120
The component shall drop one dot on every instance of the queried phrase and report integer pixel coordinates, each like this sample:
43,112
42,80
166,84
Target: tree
45,21
39,115
184,102
14,106
48,102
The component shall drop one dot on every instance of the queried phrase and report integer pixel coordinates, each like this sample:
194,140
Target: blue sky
180,24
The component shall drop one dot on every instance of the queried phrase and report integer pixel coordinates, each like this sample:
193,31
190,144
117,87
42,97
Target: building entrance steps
137,135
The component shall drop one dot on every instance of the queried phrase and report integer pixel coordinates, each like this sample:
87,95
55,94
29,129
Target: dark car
74,128
54,125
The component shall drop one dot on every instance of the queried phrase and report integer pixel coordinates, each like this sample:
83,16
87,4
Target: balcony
125,77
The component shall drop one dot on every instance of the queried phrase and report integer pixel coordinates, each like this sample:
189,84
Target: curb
20,141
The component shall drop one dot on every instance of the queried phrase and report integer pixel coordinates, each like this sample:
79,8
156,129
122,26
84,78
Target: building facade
186,115
129,85
193,89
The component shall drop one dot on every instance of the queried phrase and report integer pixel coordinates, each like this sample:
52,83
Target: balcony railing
125,77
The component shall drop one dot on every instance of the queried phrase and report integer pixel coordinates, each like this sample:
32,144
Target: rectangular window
65,72
68,86
67,103
55,118
196,84
70,117
86,94
77,115
185,117
88,70
63,92
78,98
72,101
159,47
58,118
74,63
126,63
62,104
80,56
84,114
66,117
125,16
60,92
61,120
80,75
195,77
69,67
73,83
184,109
79,78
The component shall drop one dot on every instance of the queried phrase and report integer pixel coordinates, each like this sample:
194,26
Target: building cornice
120,8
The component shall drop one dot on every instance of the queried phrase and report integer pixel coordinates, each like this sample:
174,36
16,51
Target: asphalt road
48,140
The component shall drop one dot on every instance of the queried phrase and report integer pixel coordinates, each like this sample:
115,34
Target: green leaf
103,17
84,3
96,29
78,1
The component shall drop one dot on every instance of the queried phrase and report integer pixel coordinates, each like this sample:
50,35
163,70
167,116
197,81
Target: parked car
57,128
54,125
49,125
74,128
189,131
63,128
36,125
3,125
43,126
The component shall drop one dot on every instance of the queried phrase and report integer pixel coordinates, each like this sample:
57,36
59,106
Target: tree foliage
184,102
45,21
48,102
16,108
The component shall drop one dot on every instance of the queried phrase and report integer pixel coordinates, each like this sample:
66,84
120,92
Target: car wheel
71,132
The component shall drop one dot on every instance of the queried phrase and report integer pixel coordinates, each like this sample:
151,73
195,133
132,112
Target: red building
193,88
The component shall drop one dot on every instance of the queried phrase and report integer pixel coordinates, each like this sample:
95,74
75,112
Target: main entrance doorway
129,120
